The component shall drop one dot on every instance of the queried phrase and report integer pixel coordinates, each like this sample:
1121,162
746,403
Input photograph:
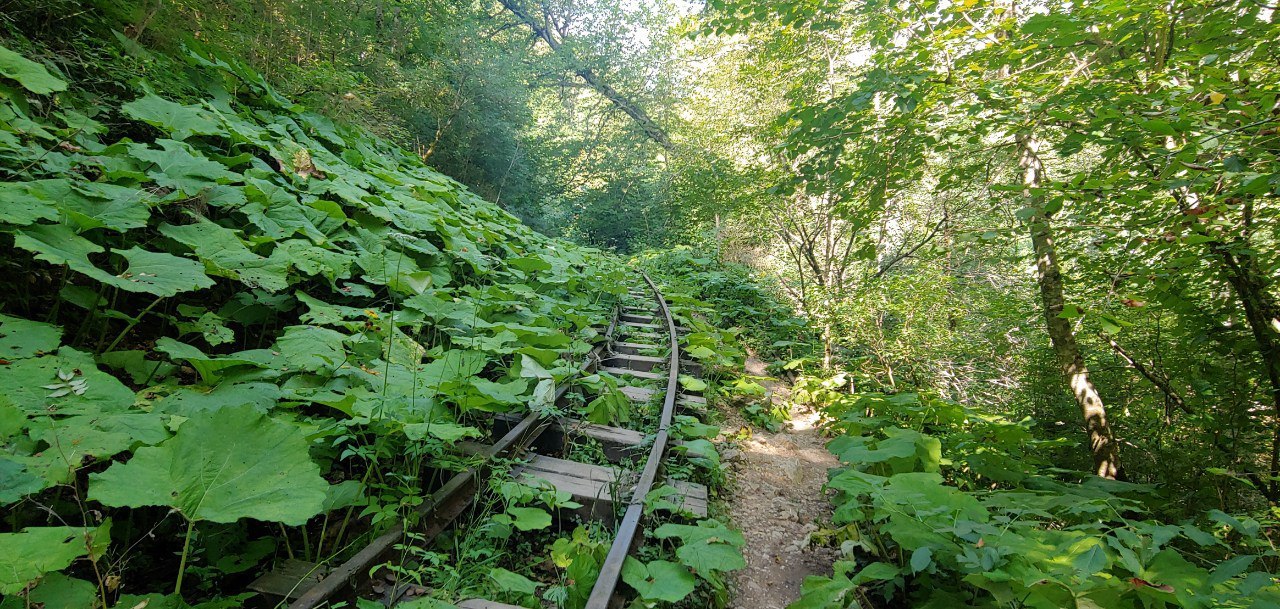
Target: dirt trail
777,501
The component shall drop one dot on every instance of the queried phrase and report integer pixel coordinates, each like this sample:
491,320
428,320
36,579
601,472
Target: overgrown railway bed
642,325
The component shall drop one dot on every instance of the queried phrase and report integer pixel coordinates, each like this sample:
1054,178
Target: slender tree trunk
1102,444
1263,316
828,348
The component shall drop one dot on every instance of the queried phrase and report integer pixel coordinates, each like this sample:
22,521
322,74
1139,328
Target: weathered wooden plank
290,579
542,464
617,442
636,373
642,363
636,348
638,394
480,603
596,487
693,497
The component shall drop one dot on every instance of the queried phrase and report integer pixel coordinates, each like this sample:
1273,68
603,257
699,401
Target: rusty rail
602,593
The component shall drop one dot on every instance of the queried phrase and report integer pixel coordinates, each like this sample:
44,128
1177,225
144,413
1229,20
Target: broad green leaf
58,244
312,348
530,263
690,383
31,75
452,367
225,254
20,338
343,494
445,432
176,119
509,581
658,580
921,558
78,441
700,352
1158,126
511,392
707,530
16,481
877,571
178,166
529,519
823,593
58,591
32,552
530,368
221,466
425,602
1089,556
98,205
27,202
706,556
23,383
160,273
191,401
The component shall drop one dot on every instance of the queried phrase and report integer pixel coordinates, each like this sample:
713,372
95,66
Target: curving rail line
607,583
355,577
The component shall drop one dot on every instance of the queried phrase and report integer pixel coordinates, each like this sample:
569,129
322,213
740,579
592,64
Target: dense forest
275,270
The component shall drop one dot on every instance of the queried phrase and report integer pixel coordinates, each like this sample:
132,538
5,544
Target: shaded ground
777,501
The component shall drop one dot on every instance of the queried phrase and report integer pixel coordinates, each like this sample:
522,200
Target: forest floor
778,501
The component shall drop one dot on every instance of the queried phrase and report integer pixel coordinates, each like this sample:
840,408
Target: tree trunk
828,348
1263,316
637,114
1102,444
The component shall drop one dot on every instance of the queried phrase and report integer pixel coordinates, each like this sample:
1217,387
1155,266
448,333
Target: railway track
642,325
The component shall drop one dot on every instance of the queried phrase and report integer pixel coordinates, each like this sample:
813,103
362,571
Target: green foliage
581,558
658,580
31,75
32,552
225,465
288,301
958,503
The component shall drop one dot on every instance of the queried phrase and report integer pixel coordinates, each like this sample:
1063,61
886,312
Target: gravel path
777,501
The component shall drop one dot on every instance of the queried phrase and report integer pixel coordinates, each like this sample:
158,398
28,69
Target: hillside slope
245,313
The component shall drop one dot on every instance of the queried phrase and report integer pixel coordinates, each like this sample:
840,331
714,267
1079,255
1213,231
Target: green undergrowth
943,505
749,317
685,561
730,296
531,546
234,331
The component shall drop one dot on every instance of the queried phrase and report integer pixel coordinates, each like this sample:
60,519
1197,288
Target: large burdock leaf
150,272
181,167
21,338
31,75
222,466
176,119
312,348
68,383
659,580
160,274
58,244
25,203
225,254
35,551
98,205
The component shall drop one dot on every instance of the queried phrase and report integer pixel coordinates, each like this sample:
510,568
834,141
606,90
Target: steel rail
446,503
603,591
